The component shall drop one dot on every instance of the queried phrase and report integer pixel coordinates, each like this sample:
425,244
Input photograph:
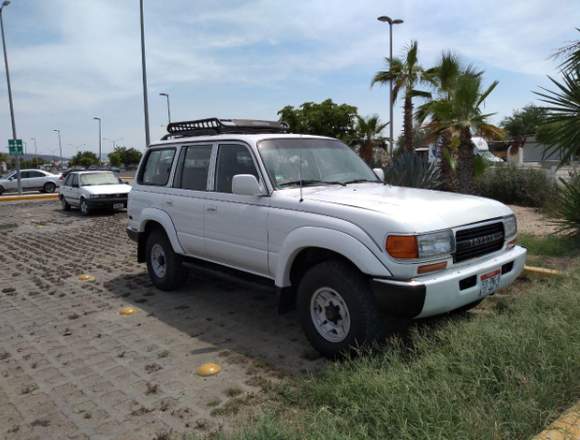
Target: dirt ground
531,221
71,367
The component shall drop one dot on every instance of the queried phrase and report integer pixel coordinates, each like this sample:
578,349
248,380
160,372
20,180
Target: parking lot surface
72,367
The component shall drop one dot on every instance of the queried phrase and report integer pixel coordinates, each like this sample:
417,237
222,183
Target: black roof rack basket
214,126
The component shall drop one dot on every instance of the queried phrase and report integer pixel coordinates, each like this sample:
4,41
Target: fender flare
161,217
346,245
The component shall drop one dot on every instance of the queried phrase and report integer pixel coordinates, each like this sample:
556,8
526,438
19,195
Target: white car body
480,148
264,233
74,193
31,180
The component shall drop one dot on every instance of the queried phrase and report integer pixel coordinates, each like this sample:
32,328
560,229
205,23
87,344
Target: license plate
118,205
489,282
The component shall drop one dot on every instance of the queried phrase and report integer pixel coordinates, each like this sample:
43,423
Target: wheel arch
156,219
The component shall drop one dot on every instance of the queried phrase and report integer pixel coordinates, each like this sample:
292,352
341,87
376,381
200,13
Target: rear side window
157,167
193,168
233,159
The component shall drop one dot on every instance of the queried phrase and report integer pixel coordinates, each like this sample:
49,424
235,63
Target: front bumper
106,203
448,290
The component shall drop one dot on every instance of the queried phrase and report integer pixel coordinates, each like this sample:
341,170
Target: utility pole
100,139
144,71
59,147
14,137
391,22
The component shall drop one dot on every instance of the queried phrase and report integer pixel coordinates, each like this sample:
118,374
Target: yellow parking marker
87,277
39,197
127,311
541,271
208,369
567,427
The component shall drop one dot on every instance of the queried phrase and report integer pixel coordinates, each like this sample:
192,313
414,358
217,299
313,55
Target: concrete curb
567,427
28,197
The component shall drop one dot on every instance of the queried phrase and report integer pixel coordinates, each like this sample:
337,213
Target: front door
235,225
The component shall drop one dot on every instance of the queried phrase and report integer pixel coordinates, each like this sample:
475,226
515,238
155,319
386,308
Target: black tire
174,274
2,190
84,207
65,205
49,187
367,325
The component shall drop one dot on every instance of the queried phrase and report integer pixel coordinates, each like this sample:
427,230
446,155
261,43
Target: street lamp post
144,71
100,139
35,146
391,22
4,4
168,107
57,131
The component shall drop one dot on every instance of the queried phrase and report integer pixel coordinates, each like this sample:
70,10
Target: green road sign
15,147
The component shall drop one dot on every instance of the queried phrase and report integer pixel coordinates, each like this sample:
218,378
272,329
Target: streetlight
57,131
4,4
391,22
168,107
144,69
100,138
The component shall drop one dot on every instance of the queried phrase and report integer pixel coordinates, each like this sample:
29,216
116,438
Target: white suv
307,213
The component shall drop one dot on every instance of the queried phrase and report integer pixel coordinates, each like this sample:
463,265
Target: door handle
211,209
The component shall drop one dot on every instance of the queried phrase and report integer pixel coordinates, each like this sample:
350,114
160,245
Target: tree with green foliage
84,159
369,136
124,156
406,74
523,124
323,119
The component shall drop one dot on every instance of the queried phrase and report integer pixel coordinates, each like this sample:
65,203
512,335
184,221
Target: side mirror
379,173
246,185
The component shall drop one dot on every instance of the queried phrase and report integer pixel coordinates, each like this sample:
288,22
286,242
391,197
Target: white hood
108,189
412,206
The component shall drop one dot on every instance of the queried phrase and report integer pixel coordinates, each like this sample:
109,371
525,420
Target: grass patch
503,375
551,245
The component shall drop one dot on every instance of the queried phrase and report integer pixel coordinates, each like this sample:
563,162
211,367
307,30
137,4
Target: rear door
74,191
235,225
37,179
189,195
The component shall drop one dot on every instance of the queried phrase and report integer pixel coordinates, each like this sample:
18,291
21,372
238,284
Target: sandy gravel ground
531,221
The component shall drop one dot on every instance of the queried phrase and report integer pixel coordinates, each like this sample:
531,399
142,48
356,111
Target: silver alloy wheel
330,314
158,260
84,207
49,187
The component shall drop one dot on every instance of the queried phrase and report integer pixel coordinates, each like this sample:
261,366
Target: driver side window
233,159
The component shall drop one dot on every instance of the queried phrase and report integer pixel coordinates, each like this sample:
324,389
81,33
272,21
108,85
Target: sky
72,60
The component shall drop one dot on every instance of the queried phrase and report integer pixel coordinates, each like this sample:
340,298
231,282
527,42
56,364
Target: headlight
511,227
420,246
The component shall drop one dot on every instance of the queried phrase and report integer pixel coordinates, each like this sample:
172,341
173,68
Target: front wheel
85,210
337,309
2,190
65,205
163,264
49,187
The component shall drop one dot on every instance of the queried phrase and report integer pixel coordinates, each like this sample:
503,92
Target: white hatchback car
91,190
308,214
31,180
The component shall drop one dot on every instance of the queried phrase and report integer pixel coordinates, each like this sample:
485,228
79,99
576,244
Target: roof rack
214,126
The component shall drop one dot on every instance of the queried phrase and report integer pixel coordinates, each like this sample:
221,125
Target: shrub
410,170
567,210
517,186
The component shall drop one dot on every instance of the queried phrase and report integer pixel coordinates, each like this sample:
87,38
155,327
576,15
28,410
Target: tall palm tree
369,131
458,115
406,74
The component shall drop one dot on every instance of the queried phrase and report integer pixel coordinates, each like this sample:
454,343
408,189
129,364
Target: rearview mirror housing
246,185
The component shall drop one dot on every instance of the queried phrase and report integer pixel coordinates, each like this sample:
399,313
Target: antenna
300,175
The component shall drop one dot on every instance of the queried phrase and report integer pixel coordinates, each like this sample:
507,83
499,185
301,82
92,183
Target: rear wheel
163,264
337,309
49,187
2,190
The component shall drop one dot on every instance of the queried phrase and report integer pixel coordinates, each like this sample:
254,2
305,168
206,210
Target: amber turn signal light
432,267
402,246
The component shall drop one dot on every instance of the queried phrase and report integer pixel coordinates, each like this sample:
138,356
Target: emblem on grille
478,241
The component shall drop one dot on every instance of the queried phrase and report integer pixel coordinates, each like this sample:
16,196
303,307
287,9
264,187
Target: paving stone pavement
71,367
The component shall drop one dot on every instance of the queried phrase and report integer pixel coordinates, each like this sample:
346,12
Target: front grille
478,241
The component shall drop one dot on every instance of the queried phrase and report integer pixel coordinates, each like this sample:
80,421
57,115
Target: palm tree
369,133
458,115
405,74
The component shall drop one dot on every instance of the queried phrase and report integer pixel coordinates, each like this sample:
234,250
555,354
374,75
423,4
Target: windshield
91,179
324,161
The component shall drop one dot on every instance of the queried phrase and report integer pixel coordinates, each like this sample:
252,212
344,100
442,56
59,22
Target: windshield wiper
310,183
